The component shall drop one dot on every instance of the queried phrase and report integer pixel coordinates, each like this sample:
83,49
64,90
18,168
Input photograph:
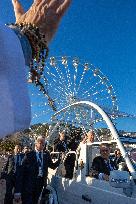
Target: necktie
109,166
64,145
17,160
40,155
40,158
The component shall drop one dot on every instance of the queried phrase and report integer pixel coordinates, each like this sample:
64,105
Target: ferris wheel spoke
59,77
92,88
58,81
61,105
69,78
76,66
75,75
96,87
58,90
81,80
64,78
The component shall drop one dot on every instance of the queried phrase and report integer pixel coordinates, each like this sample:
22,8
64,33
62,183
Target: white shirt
15,112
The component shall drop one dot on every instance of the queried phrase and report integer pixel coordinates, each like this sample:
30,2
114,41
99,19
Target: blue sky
102,32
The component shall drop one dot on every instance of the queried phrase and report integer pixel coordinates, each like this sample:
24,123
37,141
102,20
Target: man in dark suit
34,173
10,173
102,165
118,158
60,144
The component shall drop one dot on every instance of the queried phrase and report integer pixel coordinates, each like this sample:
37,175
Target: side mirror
119,179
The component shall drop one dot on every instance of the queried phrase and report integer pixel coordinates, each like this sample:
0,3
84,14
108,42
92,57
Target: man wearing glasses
102,165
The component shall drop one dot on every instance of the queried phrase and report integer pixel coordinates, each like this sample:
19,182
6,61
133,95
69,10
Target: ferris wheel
69,80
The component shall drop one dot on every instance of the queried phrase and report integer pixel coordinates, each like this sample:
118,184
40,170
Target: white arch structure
111,127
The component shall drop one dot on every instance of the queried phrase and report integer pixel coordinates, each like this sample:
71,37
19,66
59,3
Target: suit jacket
30,169
9,169
60,146
118,160
99,166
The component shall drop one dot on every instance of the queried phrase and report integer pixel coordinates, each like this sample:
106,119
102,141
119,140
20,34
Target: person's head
105,151
26,149
118,153
115,152
84,138
90,136
40,143
17,148
62,135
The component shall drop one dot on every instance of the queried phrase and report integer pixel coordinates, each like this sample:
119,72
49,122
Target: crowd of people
26,173
101,165
26,170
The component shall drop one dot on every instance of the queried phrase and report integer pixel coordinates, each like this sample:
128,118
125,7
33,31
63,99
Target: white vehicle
83,189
